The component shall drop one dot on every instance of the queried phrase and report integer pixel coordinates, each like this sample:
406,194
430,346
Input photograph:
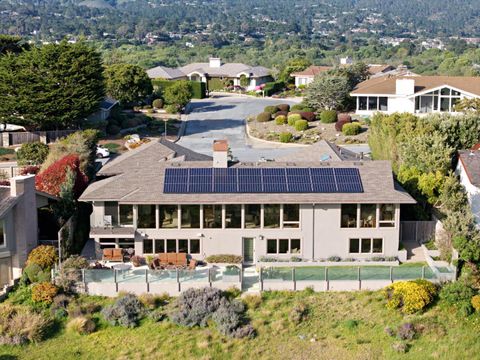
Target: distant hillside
96,4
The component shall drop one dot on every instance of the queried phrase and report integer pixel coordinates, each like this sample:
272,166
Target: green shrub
113,129
264,117
272,109
32,154
299,313
283,107
281,120
458,294
75,262
279,113
157,103
252,301
126,311
44,292
224,258
44,256
293,118
199,89
35,273
351,128
172,109
410,296
475,301
20,324
297,107
301,125
328,116
285,137
81,325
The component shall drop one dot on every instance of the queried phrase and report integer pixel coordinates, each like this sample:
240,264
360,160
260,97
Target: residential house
468,170
216,74
18,225
103,112
162,197
413,94
305,77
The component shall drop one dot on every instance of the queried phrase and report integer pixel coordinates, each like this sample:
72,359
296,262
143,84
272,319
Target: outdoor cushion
181,259
163,258
172,258
107,253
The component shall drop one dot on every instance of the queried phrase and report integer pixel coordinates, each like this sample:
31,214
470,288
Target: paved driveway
224,118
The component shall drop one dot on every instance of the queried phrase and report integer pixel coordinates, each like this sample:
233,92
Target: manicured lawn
344,326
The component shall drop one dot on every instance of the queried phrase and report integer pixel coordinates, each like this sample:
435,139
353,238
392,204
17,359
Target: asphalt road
224,118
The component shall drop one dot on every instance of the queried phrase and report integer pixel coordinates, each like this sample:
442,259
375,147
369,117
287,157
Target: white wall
473,192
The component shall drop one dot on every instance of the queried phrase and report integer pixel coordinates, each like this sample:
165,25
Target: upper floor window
368,215
291,215
190,216
146,217
271,216
233,216
212,216
387,215
252,216
349,216
168,216
126,214
111,213
3,242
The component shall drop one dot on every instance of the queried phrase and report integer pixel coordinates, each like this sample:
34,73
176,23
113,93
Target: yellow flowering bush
44,292
410,296
44,256
476,302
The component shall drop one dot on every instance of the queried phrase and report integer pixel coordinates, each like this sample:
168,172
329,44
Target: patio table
122,268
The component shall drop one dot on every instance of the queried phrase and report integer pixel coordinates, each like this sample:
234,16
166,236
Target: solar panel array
261,180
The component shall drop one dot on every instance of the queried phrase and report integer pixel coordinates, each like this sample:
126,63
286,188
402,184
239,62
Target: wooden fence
418,231
46,137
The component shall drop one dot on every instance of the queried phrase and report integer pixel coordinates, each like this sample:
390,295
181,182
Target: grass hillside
352,325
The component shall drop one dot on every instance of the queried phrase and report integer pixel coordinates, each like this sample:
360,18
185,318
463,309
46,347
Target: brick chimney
220,153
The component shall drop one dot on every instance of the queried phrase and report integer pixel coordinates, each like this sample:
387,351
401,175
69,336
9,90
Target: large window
349,216
121,243
365,246
157,246
146,217
111,210
126,215
372,103
283,246
368,215
190,216
443,100
168,216
387,215
291,215
233,216
212,216
252,216
271,216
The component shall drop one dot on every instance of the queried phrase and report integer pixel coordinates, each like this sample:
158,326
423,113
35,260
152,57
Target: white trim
424,92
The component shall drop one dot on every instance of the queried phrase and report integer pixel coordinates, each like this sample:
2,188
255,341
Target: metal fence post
293,279
146,280
178,279
391,274
423,272
260,277
209,276
326,279
115,279
83,278
359,279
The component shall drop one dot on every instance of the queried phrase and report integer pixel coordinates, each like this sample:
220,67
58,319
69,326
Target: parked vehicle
102,152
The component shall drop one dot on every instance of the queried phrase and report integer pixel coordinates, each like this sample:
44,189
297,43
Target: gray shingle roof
164,72
147,156
6,200
145,186
321,151
470,160
228,69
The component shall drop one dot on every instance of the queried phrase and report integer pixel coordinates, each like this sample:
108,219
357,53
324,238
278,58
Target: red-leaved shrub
30,170
53,177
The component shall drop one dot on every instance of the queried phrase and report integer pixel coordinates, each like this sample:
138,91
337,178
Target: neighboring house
103,113
216,74
468,170
305,77
413,94
18,225
162,197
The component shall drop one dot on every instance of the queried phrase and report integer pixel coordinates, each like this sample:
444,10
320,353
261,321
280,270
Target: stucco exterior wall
320,234
473,192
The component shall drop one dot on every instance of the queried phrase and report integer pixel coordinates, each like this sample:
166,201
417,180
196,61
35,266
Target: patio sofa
112,255
165,260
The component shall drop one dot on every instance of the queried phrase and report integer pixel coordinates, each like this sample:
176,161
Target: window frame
164,241
290,224
277,246
360,241
356,216
154,216
387,223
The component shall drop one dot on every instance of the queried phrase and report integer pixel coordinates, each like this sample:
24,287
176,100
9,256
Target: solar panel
262,180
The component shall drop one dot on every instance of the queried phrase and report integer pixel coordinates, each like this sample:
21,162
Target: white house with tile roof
468,170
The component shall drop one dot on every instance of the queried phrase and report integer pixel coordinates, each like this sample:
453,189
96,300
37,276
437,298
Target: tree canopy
328,92
55,86
127,83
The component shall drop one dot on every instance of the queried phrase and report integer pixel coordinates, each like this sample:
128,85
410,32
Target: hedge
281,120
272,87
293,118
199,89
301,125
264,117
272,109
285,137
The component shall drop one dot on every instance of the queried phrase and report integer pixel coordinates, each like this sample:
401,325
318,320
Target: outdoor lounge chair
181,259
162,258
107,254
117,255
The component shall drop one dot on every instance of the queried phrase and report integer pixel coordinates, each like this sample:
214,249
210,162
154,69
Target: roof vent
358,163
